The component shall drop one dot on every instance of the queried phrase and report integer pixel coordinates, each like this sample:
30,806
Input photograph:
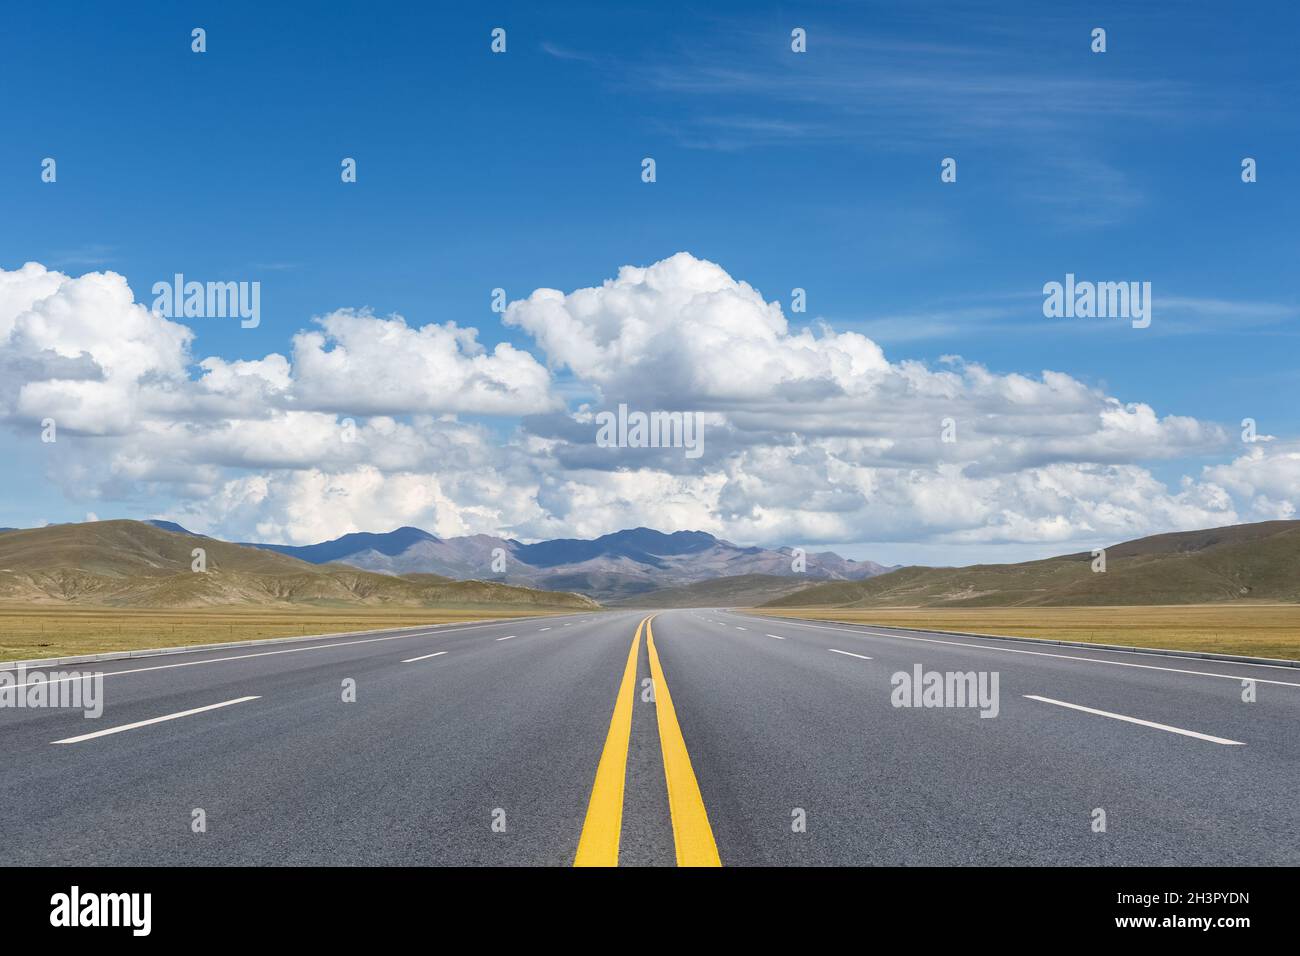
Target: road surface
741,740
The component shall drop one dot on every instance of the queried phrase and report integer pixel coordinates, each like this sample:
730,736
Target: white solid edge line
244,657
508,637
848,654
777,636
151,720
1065,657
412,660
1135,720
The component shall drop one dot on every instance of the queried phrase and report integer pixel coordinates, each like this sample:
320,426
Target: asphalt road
737,740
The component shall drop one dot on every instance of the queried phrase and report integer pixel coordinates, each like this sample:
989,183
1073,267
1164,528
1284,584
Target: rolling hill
1250,562
138,564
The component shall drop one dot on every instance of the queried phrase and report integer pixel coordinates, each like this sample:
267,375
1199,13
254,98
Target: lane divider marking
849,654
692,835
603,825
244,657
1065,657
1135,720
508,637
151,720
424,657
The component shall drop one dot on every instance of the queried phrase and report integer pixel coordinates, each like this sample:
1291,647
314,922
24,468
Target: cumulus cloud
683,334
684,331
367,365
83,352
813,436
1268,477
808,494
308,505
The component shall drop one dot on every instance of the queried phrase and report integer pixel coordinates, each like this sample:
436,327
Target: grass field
27,632
1257,630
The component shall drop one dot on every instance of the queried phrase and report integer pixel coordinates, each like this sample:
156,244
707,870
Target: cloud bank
814,436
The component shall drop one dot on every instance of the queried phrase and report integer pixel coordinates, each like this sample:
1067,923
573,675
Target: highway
693,737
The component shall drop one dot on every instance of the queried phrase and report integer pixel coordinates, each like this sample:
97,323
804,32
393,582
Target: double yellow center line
692,835
598,845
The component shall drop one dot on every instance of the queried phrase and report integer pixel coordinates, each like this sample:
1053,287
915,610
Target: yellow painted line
692,834
598,845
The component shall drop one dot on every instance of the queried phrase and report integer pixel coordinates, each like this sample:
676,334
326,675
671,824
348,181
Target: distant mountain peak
391,544
172,526
631,561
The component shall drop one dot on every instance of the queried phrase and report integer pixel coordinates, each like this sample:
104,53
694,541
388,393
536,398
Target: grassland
1257,630
1253,563
31,632
133,565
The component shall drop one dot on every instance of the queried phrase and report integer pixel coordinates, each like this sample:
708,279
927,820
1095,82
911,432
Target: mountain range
1248,562
625,566
741,590
148,564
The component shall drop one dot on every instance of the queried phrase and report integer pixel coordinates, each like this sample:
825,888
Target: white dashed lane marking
425,657
1135,720
151,720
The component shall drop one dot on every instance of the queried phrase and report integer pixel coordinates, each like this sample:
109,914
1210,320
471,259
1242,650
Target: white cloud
83,352
684,331
1266,476
368,365
684,334
809,495
309,505
814,436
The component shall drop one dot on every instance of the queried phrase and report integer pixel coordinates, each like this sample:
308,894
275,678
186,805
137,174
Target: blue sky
818,170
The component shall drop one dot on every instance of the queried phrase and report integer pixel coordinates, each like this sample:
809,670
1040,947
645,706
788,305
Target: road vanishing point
693,737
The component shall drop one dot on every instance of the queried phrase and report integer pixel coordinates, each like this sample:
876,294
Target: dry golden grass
31,632
1257,630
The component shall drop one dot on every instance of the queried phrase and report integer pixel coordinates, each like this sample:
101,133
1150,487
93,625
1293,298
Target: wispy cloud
1006,85
92,256
1021,314
564,53
892,91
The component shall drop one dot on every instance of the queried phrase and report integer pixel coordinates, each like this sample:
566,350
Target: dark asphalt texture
432,752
